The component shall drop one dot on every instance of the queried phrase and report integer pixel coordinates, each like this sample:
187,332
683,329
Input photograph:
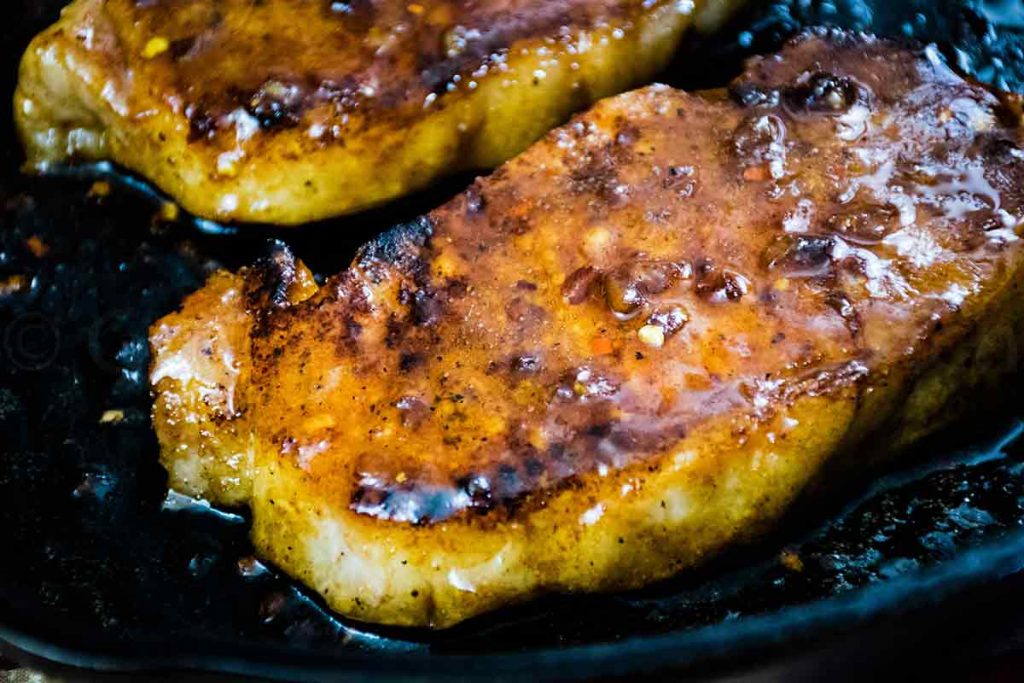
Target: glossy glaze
637,341
291,110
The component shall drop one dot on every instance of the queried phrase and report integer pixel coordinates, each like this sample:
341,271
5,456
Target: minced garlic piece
155,46
652,335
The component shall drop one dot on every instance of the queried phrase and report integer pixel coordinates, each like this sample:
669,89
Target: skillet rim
793,625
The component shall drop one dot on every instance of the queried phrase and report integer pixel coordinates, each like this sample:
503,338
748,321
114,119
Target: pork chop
286,111
631,346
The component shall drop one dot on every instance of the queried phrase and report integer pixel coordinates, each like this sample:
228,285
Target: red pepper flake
756,173
38,247
601,346
100,188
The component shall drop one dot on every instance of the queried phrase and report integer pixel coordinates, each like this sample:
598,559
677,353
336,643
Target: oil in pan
97,558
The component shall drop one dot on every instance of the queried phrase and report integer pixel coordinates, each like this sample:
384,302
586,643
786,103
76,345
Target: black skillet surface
99,570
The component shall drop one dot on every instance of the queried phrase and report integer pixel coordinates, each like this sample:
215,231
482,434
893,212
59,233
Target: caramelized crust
287,111
640,339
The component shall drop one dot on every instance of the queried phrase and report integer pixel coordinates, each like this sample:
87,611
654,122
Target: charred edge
524,479
399,246
502,489
267,284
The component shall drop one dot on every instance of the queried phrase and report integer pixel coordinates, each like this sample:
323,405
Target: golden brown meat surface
286,111
630,346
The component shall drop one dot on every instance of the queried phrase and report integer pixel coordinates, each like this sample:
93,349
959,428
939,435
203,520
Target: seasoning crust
631,345
286,111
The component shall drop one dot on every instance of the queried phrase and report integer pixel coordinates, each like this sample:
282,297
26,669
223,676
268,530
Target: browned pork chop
286,111
629,347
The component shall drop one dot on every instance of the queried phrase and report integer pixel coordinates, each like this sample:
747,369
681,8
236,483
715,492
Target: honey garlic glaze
652,328
286,111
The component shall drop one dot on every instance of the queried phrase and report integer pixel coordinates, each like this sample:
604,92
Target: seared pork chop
629,347
286,111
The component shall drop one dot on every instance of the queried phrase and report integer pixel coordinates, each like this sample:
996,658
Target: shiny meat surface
286,111
631,345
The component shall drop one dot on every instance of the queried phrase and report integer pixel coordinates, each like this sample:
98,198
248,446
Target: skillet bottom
96,559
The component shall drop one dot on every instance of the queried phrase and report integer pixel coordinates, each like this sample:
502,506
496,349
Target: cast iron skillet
99,570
